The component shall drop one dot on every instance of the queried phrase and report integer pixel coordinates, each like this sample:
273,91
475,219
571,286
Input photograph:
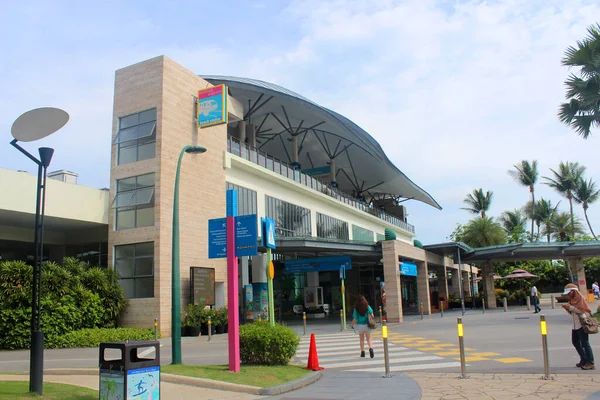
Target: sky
456,92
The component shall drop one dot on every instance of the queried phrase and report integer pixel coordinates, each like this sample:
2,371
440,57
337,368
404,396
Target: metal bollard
552,300
209,329
380,315
544,331
421,308
341,321
528,299
461,344
386,356
483,305
505,304
441,309
155,328
304,321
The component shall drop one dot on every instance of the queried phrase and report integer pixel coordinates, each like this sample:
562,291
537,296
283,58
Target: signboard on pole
268,233
217,238
212,106
246,237
202,286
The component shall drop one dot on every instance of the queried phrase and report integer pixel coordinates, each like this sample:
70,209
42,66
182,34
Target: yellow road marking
428,341
445,345
470,359
484,354
512,360
449,353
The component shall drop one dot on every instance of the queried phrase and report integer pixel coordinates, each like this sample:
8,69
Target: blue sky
456,92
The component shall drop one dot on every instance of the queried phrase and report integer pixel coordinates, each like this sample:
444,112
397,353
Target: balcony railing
258,157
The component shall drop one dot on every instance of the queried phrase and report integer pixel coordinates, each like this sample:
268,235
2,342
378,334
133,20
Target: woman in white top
581,340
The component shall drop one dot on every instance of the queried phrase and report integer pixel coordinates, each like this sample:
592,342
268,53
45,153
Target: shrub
500,294
263,344
93,337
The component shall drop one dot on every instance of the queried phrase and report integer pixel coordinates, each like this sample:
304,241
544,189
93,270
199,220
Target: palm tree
585,194
565,182
527,175
478,202
511,220
543,214
482,232
561,225
582,111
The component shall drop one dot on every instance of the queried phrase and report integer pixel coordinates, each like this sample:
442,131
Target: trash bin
130,370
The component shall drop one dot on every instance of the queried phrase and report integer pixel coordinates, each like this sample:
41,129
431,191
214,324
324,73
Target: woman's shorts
362,329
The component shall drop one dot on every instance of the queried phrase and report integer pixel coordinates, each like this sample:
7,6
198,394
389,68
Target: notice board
202,285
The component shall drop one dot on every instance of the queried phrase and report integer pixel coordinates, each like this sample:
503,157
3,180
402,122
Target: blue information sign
217,238
408,269
246,236
231,204
318,264
268,232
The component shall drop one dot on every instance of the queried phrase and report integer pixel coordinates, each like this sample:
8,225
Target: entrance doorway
410,299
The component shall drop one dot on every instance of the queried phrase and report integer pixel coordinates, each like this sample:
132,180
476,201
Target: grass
11,390
253,375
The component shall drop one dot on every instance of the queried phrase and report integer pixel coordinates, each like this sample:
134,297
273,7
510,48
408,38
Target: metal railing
271,163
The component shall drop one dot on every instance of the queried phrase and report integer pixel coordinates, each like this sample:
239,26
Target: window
246,199
136,138
380,237
135,265
331,228
134,202
290,220
361,234
95,254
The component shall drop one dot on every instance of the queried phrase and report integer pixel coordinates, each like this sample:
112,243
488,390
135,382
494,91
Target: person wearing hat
581,340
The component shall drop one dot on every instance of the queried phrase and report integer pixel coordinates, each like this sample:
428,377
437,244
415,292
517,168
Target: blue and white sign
268,233
217,238
231,207
318,264
246,236
408,268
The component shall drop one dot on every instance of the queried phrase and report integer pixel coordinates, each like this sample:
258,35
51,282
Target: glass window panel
127,134
144,266
145,180
144,217
144,288
123,199
125,219
124,267
146,151
128,121
144,249
147,116
128,286
143,196
144,130
125,184
127,155
125,251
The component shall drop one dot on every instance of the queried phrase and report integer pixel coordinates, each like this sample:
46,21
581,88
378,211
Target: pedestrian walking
596,290
535,299
581,340
360,319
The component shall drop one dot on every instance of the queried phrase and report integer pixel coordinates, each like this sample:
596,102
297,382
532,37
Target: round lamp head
39,123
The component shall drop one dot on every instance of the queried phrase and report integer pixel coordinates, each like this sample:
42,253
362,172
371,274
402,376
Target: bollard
421,308
380,315
544,331
209,329
552,300
505,304
155,328
304,321
528,299
386,356
461,344
341,321
441,309
483,305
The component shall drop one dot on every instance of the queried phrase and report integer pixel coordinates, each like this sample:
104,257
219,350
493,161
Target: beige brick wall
162,83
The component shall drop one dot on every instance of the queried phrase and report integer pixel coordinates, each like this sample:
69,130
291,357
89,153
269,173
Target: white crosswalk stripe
342,351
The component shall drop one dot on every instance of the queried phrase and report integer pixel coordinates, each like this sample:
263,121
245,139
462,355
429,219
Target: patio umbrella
520,274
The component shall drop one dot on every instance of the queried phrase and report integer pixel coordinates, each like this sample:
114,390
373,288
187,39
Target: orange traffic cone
313,358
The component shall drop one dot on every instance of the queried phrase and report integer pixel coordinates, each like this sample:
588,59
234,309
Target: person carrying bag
582,326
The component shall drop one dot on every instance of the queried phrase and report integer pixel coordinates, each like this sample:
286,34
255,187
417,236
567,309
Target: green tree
582,111
585,194
563,229
513,224
482,232
565,182
478,202
543,214
527,175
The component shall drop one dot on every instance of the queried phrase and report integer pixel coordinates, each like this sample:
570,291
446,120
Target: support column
579,272
393,286
295,162
489,290
466,283
332,171
423,286
242,131
251,135
443,282
455,287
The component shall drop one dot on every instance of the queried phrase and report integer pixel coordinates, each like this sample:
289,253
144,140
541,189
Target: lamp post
175,276
30,126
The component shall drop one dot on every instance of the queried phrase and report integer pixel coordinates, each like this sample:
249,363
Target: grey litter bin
130,370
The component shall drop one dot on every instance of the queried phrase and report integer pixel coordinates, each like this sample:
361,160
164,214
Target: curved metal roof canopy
361,164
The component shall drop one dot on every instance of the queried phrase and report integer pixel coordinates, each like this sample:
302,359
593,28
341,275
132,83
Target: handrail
235,147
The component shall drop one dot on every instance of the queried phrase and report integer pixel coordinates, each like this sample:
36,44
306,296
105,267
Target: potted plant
218,322
225,318
192,320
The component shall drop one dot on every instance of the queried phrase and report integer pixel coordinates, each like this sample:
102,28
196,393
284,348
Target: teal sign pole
268,237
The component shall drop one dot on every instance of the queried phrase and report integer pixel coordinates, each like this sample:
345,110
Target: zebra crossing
342,351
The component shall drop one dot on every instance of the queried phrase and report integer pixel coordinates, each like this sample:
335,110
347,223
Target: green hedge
263,344
93,337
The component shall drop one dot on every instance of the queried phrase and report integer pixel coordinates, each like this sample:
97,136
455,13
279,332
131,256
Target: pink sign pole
232,298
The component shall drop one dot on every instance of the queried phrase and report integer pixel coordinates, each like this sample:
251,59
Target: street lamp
30,126
175,277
